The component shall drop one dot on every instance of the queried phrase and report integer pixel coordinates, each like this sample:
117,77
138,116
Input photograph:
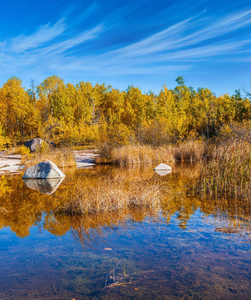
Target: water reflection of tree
22,208
91,229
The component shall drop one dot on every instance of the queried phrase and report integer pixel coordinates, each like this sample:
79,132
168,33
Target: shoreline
11,164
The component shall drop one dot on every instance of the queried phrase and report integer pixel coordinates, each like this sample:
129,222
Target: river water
190,248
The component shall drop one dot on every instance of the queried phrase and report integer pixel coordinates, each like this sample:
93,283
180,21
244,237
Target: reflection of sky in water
152,258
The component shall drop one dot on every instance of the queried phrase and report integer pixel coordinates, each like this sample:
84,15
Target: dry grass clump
227,173
190,151
131,155
126,155
144,154
106,194
62,158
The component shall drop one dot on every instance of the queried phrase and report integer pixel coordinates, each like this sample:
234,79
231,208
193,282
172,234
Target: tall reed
145,154
192,151
228,171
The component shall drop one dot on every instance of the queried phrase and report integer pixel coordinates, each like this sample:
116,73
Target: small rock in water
163,169
43,170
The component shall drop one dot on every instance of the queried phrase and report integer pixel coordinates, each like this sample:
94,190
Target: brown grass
109,193
191,151
228,172
142,154
62,158
131,155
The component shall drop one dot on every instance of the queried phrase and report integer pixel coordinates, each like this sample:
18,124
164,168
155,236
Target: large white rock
43,170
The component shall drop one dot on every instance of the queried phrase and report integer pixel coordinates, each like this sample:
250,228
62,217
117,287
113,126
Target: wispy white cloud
61,47
44,34
178,37
174,44
154,43
175,48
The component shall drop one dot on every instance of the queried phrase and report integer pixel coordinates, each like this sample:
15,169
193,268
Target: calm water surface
190,249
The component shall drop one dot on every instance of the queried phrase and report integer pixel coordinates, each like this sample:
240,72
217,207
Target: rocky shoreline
11,164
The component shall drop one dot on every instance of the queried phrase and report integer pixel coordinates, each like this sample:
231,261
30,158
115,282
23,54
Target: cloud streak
44,34
62,47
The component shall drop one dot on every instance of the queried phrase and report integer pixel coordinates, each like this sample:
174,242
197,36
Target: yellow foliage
3,139
84,114
23,151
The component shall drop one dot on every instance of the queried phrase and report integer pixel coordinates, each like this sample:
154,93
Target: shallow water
172,253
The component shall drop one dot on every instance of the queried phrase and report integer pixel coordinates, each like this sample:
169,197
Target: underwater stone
43,170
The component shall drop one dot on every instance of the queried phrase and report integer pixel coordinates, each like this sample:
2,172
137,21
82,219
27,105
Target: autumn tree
16,111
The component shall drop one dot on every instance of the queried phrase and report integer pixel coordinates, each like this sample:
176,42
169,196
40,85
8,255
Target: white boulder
43,170
162,167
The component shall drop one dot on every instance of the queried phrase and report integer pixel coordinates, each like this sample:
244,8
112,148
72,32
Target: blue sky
119,43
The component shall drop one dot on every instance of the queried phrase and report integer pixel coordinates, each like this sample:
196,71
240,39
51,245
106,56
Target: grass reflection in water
113,195
169,249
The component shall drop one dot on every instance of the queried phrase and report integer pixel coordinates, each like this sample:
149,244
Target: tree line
84,113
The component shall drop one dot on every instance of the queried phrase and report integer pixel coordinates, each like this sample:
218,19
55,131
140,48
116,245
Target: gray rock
45,186
51,144
43,170
33,144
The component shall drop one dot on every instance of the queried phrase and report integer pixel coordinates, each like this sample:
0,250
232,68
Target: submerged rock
33,144
45,186
43,170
